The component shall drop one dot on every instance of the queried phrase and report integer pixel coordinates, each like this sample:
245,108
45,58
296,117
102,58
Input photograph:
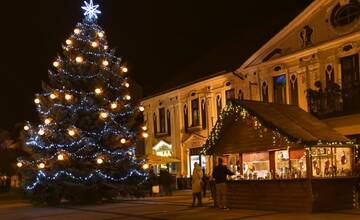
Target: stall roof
291,121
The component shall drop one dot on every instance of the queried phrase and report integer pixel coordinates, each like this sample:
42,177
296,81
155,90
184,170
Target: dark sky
158,38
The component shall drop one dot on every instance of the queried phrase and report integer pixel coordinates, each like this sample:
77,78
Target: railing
333,101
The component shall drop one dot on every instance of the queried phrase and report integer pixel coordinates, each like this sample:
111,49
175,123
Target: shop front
162,158
283,159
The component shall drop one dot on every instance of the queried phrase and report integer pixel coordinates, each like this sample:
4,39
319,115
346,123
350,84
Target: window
168,122
240,95
155,123
162,120
346,14
294,90
265,92
218,105
195,112
186,119
350,79
203,114
229,94
280,89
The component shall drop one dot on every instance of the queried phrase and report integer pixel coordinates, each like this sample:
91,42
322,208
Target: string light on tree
123,140
53,96
79,59
127,85
141,108
114,105
60,157
105,63
99,161
47,121
145,135
100,34
26,127
68,42
145,166
144,128
41,165
77,31
128,97
71,132
56,64
94,44
124,69
41,132
19,164
37,101
104,115
98,91
68,97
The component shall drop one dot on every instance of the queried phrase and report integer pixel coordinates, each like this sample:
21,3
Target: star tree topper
91,10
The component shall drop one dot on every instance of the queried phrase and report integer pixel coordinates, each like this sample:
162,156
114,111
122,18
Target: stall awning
154,159
234,133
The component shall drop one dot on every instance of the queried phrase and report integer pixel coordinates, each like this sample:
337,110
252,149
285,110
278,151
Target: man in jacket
220,174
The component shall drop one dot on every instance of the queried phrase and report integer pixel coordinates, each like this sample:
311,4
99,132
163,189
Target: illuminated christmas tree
85,148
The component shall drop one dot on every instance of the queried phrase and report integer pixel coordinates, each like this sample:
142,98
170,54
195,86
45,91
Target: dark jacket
220,173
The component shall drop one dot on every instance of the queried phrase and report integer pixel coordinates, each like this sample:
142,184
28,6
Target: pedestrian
220,174
204,180
152,180
196,184
167,183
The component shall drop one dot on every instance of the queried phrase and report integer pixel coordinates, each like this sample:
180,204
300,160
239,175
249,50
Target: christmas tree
85,148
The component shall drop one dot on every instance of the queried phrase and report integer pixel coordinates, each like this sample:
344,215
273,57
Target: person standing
204,182
220,174
196,184
152,180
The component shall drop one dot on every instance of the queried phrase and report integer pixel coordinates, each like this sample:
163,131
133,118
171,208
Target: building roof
228,55
298,126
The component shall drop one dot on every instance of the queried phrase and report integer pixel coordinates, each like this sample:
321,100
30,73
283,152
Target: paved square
156,208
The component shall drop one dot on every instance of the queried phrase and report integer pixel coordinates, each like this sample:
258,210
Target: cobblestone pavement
155,208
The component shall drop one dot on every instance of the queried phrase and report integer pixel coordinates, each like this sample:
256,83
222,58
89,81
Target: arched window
294,90
279,83
162,120
218,105
195,113
203,114
186,119
168,122
155,123
265,92
240,95
229,95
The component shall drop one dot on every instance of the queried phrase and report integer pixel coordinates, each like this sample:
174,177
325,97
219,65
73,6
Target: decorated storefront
284,159
162,158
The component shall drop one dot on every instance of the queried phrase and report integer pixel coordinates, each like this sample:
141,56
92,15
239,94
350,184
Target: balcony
333,101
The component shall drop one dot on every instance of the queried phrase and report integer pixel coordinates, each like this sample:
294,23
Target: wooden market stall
284,158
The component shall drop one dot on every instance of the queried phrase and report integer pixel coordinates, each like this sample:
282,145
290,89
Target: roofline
287,29
223,72
304,52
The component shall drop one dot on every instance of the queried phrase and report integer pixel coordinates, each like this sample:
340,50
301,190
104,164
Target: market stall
283,157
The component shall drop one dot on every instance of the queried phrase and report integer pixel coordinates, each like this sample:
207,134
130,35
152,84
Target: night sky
159,39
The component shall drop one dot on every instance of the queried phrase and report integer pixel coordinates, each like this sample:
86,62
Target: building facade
313,62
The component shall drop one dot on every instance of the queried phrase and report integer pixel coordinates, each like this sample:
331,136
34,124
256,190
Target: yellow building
313,62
